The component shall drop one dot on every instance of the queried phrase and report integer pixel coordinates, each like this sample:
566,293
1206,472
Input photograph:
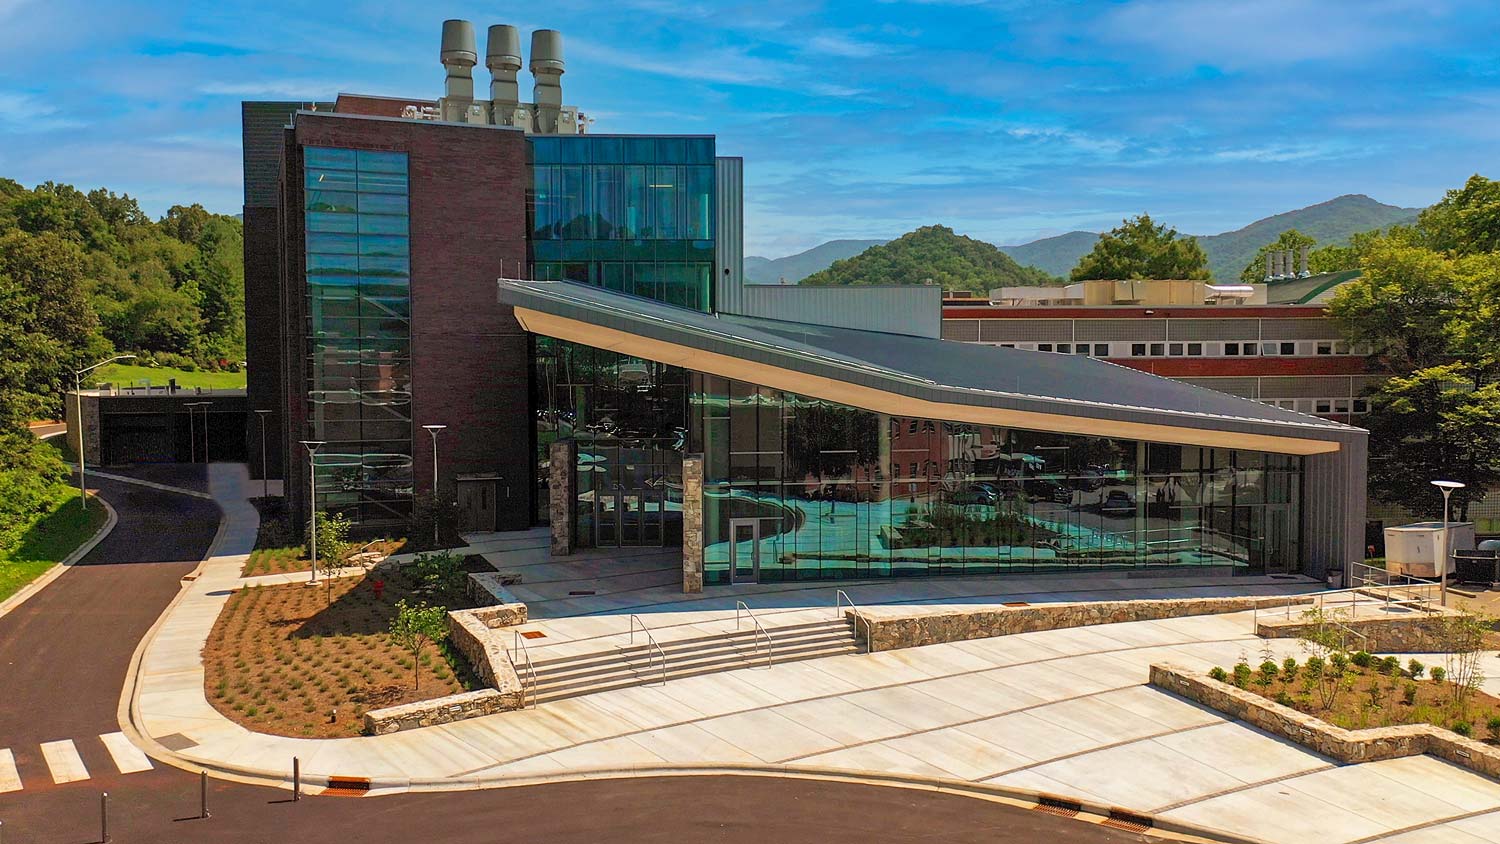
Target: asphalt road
63,657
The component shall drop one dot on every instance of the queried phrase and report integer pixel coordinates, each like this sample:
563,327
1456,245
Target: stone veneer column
692,523
562,457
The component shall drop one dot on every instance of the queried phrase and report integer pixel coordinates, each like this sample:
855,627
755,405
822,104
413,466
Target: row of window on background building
1283,348
358,361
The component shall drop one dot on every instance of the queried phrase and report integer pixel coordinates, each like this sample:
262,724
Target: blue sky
1006,120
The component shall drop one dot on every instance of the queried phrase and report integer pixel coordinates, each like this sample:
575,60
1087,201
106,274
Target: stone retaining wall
895,630
504,609
1346,746
471,636
1420,632
441,710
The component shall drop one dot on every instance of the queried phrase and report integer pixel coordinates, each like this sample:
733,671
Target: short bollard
203,795
296,779
104,817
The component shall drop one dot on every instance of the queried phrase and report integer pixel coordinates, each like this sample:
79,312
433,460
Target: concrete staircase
618,666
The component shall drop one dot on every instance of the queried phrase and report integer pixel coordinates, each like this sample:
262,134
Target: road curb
111,518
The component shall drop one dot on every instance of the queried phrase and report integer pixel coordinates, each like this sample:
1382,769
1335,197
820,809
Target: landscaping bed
282,659
289,558
1361,691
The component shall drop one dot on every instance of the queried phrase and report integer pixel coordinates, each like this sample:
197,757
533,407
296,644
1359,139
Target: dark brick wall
263,335
469,355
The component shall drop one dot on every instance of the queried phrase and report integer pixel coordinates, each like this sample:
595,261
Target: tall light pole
433,430
83,495
312,474
265,484
1447,488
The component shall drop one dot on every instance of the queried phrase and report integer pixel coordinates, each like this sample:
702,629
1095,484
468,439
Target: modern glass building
832,453
630,213
358,331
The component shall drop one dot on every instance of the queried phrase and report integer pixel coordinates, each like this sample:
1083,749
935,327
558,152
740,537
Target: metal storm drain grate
533,634
1058,806
1015,604
347,787
581,592
1127,821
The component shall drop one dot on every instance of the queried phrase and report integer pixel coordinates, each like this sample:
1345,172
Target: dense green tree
1400,305
1466,221
186,222
931,255
1140,248
1255,271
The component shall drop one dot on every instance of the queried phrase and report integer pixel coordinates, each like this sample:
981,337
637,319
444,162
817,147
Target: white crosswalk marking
63,761
128,758
10,778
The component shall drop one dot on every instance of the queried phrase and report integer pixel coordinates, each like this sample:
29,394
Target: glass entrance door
744,550
626,518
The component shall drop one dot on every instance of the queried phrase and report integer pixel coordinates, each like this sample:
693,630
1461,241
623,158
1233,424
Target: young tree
1139,248
414,628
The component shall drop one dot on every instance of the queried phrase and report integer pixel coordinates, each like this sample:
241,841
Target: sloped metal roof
927,368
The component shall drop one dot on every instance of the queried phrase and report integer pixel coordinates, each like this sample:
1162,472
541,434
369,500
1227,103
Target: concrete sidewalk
1065,712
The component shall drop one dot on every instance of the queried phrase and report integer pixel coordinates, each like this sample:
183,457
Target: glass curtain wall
813,490
358,364
628,213
628,417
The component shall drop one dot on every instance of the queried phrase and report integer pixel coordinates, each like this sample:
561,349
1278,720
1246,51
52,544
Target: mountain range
1228,252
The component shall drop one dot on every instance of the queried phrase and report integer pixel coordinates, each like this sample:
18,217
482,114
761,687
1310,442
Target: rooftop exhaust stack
1304,273
547,70
503,58
458,56
1270,266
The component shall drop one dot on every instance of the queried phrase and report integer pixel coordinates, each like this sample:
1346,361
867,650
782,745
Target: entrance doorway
477,504
744,550
626,518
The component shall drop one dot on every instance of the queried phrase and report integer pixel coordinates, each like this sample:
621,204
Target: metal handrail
650,643
761,631
840,597
520,645
1365,585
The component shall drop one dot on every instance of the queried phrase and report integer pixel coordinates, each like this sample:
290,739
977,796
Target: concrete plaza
1065,712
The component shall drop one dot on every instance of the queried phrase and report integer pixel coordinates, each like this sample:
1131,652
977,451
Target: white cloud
289,88
21,113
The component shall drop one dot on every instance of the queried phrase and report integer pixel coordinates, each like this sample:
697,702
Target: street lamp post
1447,488
265,484
433,430
312,474
83,495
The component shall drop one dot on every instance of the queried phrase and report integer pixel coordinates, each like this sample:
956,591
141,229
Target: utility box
1415,549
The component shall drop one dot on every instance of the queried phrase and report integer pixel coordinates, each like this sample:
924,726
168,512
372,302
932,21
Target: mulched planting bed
294,557
281,659
1377,696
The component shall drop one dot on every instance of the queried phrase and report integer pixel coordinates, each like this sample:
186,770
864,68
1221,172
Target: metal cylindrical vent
459,56
547,70
503,57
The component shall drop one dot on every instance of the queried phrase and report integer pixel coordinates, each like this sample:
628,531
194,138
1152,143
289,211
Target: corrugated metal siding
1120,329
1243,387
962,330
1306,386
916,310
1212,329
261,138
729,233
1026,330
1299,329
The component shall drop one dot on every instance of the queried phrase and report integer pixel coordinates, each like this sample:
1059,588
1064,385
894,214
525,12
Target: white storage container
1414,549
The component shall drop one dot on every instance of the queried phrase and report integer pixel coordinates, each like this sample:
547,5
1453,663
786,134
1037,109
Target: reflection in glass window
358,360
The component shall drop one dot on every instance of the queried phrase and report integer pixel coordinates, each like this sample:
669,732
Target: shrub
1362,659
440,570
1285,699
1219,674
1463,728
1267,674
1289,669
1493,725
1391,666
1314,667
1438,674
1340,664
1409,694
1415,669
1242,674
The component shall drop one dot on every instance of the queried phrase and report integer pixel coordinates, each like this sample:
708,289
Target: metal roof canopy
918,376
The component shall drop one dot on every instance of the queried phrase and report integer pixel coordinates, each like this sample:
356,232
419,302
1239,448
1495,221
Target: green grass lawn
51,538
125,374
